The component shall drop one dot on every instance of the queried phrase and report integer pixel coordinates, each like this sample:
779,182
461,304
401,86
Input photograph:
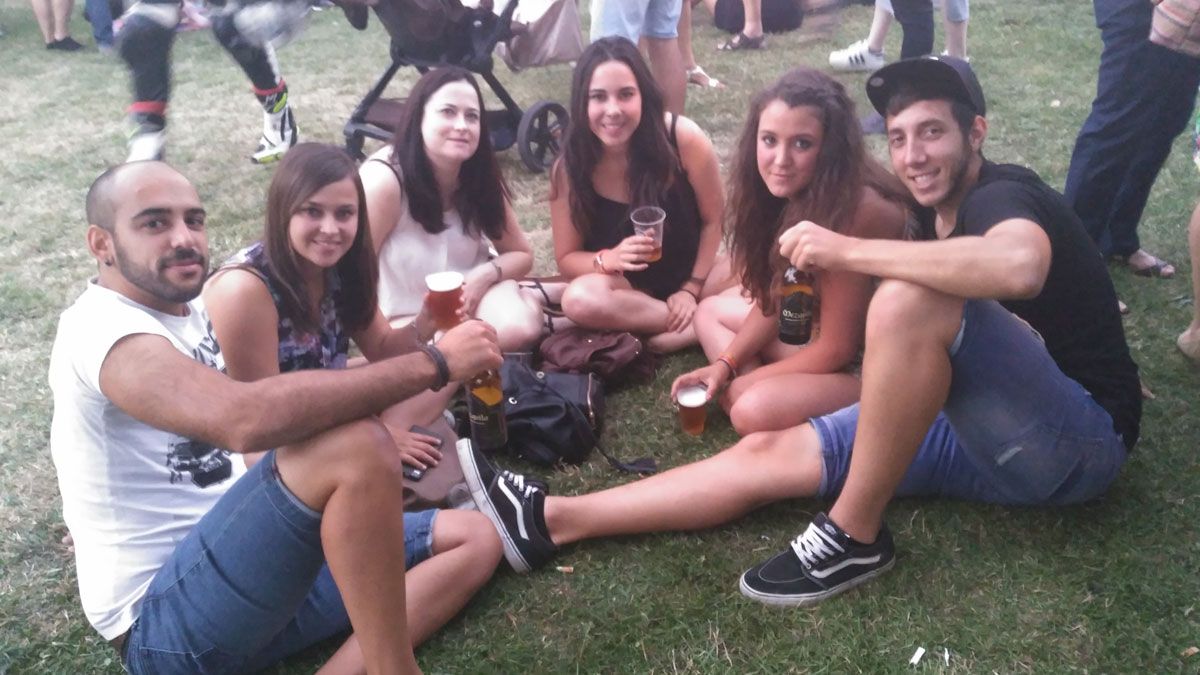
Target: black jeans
916,20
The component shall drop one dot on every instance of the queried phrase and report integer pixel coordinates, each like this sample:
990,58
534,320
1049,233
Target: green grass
1103,588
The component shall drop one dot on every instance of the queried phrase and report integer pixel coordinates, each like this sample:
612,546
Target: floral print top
298,350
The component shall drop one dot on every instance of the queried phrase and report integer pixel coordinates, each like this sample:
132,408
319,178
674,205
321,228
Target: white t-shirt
130,492
409,253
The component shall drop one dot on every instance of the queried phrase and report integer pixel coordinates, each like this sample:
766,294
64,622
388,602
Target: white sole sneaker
856,58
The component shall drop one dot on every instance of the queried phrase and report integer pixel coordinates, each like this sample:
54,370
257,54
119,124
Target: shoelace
518,481
814,546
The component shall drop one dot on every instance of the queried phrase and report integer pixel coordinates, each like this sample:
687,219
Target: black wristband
439,362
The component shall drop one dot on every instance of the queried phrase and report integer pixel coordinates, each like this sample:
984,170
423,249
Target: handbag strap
643,466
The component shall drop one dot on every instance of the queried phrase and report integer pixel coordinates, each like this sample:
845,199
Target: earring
108,263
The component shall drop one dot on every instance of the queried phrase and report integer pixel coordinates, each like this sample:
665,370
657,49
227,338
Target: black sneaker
515,506
820,563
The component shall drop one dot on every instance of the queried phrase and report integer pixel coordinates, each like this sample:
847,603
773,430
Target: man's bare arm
1010,261
153,382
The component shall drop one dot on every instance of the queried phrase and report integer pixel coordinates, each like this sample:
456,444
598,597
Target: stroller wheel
540,134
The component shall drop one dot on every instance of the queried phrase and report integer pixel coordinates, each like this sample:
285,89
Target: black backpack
556,417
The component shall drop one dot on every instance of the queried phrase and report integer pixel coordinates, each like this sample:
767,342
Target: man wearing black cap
996,367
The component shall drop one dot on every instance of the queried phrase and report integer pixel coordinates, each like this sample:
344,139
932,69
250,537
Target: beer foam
692,397
441,282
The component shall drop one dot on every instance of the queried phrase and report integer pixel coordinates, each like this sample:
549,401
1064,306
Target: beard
154,281
957,187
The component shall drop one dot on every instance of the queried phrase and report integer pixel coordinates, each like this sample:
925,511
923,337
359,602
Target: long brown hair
482,194
653,163
831,199
306,169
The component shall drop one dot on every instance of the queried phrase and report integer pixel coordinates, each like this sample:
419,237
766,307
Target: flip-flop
1159,268
698,77
742,42
547,306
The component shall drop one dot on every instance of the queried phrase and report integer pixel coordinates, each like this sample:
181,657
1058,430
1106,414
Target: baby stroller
426,34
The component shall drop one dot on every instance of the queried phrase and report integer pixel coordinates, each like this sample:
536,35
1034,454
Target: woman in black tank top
623,151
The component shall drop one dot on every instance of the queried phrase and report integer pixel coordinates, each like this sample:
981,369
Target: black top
1076,312
681,234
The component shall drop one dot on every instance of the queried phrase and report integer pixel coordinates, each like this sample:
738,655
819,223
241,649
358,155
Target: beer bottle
796,307
485,408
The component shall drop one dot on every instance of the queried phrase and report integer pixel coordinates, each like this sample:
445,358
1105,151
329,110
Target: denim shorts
635,19
249,585
1014,429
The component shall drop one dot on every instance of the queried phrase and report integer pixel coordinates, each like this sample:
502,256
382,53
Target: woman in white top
437,201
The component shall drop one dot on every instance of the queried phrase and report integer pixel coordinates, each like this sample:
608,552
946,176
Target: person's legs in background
1167,106
866,55
955,15
1189,340
99,14
916,22
695,74
260,65
1116,128
54,18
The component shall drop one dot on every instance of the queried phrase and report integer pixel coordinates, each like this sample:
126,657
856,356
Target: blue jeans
248,586
100,16
1014,429
1144,99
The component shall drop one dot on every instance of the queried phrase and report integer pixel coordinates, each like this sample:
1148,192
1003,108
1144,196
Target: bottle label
485,410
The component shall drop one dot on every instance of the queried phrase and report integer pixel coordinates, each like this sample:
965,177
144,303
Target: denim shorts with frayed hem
1014,429
635,19
248,586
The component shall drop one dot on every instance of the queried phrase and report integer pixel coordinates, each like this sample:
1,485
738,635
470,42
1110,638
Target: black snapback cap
941,76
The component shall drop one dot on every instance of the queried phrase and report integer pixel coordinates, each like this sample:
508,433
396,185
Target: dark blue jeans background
916,19
1144,98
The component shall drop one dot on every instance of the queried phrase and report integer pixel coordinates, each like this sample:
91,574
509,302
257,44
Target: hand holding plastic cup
693,409
648,221
445,297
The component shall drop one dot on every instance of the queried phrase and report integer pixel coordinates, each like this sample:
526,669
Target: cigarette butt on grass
566,569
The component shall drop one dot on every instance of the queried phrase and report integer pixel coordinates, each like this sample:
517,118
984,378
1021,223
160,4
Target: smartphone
412,473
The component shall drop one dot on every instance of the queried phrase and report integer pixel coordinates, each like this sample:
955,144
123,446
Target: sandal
742,42
698,77
536,284
1157,268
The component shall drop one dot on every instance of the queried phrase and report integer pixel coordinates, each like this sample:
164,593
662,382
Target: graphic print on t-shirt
204,463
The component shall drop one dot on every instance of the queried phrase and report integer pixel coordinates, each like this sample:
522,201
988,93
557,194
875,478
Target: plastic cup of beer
648,220
445,297
693,408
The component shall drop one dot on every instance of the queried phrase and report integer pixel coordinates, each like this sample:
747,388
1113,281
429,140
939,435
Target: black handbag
556,417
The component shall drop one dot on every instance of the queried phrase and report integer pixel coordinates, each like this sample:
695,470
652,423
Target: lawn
1107,587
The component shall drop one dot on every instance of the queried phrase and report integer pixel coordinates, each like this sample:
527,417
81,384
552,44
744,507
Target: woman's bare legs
787,400
1189,340
718,320
514,313
760,469
956,38
466,550
881,22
